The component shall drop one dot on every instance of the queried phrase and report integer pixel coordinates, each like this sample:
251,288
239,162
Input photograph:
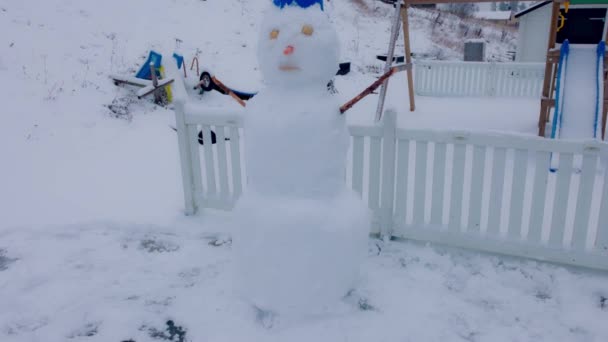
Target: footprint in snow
217,241
154,245
88,330
361,302
5,261
265,318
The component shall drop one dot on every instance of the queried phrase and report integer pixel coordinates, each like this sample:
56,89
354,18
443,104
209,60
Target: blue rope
557,116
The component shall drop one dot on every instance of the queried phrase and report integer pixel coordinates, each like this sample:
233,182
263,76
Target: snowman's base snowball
297,256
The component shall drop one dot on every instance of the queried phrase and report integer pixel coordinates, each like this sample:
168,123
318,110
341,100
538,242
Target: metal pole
408,56
389,58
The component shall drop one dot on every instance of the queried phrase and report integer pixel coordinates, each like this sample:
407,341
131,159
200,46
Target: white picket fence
220,163
486,192
480,191
481,79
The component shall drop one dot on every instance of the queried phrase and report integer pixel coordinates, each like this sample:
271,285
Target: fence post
389,125
491,80
185,157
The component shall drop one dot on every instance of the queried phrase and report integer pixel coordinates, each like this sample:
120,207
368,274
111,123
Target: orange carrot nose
288,50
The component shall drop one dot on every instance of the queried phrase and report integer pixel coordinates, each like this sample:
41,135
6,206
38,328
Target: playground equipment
550,92
151,79
579,92
147,78
401,19
551,65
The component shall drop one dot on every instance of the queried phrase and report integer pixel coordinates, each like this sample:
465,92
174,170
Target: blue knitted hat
300,3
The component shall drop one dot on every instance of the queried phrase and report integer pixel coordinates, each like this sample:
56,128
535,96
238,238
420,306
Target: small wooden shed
585,23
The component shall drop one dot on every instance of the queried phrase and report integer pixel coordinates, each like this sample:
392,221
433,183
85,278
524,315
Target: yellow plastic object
168,88
562,22
562,19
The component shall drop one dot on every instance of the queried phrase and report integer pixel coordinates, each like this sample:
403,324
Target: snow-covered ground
93,243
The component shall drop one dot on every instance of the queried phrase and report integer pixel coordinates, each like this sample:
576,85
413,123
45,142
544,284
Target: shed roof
572,2
493,15
532,8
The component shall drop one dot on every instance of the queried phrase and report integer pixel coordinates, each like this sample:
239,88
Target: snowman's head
297,45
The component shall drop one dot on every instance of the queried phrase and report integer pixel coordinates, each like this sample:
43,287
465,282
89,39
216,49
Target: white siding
533,35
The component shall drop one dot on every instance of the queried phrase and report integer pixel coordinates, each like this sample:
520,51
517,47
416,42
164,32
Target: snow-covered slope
93,244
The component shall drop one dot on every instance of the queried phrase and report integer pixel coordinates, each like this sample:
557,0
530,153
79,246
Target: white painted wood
366,131
503,140
357,181
520,169
497,187
420,182
374,173
209,161
389,121
538,150
583,201
601,239
200,114
222,162
195,160
560,204
438,187
495,244
235,161
533,35
454,222
451,78
403,147
184,157
539,191
474,219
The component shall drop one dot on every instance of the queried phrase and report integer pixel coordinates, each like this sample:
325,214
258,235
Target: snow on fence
446,78
480,191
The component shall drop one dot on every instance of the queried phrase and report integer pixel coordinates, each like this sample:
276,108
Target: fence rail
444,78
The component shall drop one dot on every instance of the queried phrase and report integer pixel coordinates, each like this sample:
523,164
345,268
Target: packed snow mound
299,256
300,233
307,131
304,33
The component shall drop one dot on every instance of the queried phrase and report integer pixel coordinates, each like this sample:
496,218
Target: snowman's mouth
286,67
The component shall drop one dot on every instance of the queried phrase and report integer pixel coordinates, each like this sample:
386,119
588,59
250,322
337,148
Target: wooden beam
228,91
374,86
145,91
408,56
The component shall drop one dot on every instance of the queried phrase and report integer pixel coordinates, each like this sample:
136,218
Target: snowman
301,233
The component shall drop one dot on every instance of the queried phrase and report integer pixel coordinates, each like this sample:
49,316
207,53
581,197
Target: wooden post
408,55
547,93
157,96
389,125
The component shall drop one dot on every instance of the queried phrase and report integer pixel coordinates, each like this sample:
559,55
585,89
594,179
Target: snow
493,15
121,280
299,257
580,94
312,65
93,242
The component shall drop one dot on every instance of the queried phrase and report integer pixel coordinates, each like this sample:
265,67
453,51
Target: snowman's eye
307,30
274,34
